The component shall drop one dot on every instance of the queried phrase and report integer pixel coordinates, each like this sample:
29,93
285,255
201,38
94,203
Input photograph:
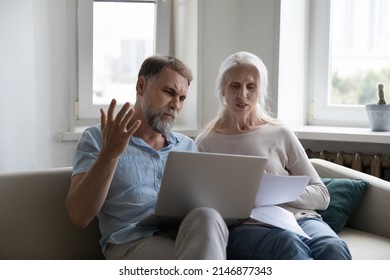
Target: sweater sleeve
316,195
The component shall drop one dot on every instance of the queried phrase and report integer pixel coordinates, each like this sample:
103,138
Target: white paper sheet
276,189
278,217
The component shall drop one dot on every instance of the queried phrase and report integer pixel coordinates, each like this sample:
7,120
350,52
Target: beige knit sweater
285,154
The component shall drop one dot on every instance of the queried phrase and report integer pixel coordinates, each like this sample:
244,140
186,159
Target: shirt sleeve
87,150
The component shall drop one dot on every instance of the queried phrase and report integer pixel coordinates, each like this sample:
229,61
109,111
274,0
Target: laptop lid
226,182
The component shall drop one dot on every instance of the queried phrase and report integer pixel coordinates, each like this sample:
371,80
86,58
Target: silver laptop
227,183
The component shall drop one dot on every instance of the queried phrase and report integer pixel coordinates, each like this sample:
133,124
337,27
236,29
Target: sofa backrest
33,220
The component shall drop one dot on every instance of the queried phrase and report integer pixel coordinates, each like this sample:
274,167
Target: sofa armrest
34,222
371,215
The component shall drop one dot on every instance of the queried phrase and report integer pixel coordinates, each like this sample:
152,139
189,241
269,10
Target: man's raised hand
117,130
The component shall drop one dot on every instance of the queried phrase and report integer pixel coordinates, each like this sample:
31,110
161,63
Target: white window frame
84,108
320,112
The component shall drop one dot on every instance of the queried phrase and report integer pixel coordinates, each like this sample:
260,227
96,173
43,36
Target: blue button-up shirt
135,185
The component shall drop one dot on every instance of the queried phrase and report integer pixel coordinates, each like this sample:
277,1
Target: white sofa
34,222
368,229
35,225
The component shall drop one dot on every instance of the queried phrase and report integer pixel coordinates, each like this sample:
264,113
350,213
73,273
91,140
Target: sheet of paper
277,189
278,217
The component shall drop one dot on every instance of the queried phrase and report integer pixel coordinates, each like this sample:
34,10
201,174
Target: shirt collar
171,138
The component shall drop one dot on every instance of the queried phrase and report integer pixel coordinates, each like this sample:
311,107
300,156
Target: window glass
360,56
123,36
348,55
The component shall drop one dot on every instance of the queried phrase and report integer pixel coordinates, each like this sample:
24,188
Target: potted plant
379,113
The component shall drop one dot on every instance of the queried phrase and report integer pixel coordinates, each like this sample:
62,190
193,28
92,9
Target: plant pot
379,116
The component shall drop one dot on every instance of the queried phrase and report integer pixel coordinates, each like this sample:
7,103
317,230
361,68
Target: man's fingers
126,119
121,116
122,119
133,128
130,129
111,108
103,118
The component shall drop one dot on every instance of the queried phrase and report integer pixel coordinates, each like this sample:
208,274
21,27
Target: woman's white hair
241,58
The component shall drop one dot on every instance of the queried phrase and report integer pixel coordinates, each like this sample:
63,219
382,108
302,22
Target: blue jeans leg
325,244
265,243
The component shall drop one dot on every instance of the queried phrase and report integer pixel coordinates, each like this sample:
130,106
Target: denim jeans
269,243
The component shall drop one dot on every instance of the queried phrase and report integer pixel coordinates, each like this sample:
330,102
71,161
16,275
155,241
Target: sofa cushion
371,215
345,195
366,246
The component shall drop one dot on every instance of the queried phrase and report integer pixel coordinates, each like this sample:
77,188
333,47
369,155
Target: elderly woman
243,126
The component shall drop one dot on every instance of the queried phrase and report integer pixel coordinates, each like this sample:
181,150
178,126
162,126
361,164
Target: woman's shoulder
278,127
202,135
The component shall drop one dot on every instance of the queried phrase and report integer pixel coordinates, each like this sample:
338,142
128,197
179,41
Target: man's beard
156,121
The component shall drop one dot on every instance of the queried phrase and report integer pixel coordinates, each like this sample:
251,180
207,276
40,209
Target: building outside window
123,36
114,37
